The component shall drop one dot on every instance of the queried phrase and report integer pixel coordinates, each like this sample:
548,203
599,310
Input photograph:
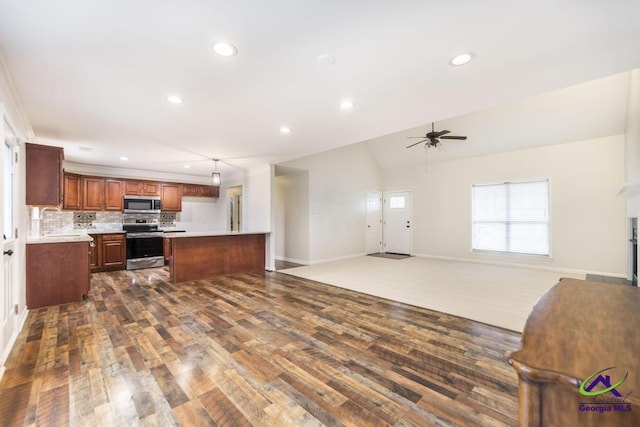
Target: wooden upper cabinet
44,179
141,188
92,193
199,190
72,194
113,194
171,199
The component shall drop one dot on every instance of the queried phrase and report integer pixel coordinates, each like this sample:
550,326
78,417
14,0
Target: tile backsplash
55,222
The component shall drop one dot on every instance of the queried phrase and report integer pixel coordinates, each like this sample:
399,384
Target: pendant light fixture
215,176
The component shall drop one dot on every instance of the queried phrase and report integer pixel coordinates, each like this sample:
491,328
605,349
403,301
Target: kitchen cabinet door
72,194
113,194
92,193
113,252
44,179
95,252
150,188
171,198
200,190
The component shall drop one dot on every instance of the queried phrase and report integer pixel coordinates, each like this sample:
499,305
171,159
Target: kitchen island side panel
195,258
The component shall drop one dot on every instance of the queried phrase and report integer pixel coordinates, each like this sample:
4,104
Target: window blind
511,217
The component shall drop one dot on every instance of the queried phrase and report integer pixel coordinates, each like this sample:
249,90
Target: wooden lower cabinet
167,250
109,252
57,273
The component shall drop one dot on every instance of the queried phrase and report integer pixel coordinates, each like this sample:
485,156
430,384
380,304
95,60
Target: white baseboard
521,265
294,260
322,261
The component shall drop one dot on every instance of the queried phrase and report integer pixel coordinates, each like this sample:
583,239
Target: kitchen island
57,269
202,255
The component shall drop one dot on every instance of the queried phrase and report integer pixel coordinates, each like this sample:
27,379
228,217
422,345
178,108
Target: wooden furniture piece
171,198
199,190
575,330
57,273
201,257
93,193
109,252
44,181
142,188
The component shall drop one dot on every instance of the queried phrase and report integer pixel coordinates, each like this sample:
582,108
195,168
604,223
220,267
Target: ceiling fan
433,137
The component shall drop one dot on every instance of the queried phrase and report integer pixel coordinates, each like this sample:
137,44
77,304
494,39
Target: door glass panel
396,202
7,157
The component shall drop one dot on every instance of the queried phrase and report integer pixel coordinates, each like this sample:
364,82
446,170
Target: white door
397,222
8,293
374,222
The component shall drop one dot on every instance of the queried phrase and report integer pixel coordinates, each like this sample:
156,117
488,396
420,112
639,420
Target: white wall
587,218
199,214
292,217
338,183
633,143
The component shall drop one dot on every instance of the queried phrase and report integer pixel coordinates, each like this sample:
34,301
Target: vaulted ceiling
94,77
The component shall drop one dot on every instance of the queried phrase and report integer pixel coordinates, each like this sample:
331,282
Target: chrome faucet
42,210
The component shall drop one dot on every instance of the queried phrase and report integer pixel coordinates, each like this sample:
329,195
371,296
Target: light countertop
210,234
60,238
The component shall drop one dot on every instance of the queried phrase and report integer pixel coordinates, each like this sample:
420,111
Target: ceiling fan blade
440,133
454,137
416,143
423,137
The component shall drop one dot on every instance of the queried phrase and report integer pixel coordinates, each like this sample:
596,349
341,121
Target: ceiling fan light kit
432,139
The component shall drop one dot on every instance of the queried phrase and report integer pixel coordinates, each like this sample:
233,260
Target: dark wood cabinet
113,194
72,194
57,273
577,330
167,250
142,188
95,252
92,193
171,199
44,178
199,190
109,252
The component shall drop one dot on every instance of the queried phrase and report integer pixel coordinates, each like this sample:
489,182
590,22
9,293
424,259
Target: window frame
506,252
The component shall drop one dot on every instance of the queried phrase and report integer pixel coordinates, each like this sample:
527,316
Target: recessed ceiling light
224,49
326,59
187,167
174,99
285,129
462,59
346,104
85,148
124,159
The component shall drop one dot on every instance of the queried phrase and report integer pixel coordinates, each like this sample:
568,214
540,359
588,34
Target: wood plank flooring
264,349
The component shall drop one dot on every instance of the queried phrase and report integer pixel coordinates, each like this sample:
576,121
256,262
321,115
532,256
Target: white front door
397,222
374,222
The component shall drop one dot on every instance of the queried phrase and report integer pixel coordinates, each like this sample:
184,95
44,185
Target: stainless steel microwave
141,204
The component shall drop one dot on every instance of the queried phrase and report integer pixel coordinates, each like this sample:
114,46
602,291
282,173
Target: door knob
9,252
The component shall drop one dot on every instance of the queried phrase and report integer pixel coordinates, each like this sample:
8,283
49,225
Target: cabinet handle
9,252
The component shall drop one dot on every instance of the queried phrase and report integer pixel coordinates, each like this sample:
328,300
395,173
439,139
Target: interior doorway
234,208
374,222
396,223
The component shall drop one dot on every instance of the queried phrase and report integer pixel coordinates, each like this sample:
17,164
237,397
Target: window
511,217
7,203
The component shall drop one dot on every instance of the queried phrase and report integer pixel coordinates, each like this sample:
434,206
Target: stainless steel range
144,246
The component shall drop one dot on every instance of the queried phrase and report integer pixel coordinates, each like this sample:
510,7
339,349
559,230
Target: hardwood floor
253,349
